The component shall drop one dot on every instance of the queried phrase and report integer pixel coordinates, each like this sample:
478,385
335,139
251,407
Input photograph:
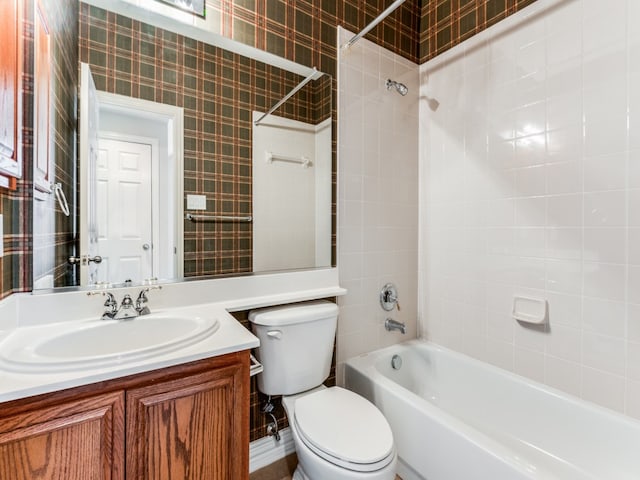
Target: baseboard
267,450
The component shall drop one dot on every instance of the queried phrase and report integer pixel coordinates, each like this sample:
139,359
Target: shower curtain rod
375,22
288,96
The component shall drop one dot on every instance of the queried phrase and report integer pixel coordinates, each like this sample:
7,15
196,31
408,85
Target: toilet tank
296,345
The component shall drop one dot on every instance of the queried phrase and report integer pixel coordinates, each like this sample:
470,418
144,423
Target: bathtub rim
362,361
365,364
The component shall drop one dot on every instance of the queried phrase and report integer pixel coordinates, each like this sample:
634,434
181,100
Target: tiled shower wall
530,155
377,196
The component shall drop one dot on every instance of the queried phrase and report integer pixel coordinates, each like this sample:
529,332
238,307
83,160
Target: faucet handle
110,304
141,301
110,301
142,296
389,297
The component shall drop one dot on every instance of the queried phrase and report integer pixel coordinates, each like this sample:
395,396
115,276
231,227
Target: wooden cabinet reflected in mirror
10,91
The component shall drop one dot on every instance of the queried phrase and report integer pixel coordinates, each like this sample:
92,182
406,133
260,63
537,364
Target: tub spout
390,324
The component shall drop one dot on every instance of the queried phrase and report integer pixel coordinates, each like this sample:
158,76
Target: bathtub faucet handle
389,297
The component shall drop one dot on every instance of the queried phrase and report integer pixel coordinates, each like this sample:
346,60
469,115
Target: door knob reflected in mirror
146,246
84,260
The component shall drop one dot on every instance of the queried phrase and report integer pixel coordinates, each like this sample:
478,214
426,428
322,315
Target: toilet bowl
338,434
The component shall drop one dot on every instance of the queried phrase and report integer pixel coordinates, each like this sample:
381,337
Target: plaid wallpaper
63,25
446,23
15,206
304,30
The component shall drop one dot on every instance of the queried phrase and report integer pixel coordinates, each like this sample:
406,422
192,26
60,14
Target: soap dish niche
534,311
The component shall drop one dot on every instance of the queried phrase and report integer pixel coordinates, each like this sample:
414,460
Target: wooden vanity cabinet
190,421
193,427
73,440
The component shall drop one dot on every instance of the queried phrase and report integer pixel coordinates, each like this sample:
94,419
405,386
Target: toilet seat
344,429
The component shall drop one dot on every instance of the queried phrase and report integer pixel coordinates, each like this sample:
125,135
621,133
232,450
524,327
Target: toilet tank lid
292,314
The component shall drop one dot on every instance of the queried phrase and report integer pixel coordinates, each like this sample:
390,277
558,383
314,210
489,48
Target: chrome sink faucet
127,308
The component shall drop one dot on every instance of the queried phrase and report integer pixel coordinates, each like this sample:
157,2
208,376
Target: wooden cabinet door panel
10,88
79,440
190,428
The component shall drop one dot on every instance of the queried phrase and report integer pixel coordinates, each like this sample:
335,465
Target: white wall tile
565,343
603,353
605,281
604,317
564,276
563,375
550,162
500,354
603,388
529,363
605,209
607,245
606,172
564,210
378,196
564,177
632,399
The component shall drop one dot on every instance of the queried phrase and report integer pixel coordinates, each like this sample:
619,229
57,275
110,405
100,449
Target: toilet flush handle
275,334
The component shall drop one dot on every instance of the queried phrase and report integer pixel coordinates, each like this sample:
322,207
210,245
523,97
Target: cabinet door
10,88
192,428
78,440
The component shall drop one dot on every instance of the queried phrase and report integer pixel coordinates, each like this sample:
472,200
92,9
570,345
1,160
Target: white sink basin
97,343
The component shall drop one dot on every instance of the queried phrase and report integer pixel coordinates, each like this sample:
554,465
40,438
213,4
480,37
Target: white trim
174,119
187,24
267,450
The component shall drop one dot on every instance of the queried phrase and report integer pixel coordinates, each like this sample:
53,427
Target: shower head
401,88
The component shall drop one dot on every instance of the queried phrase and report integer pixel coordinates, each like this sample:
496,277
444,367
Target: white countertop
231,336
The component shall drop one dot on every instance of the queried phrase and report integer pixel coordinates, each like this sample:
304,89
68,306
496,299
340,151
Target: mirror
181,181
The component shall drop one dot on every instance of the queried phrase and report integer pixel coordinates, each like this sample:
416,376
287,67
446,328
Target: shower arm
311,76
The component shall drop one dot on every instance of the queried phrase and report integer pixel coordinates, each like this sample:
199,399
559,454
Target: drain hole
396,362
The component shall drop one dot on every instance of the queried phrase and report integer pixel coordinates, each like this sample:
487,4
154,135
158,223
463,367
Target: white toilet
338,434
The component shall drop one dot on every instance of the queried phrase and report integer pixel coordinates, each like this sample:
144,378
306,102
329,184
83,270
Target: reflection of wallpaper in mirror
218,91
53,232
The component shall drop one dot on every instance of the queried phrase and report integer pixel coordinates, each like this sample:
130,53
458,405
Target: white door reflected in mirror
131,208
124,210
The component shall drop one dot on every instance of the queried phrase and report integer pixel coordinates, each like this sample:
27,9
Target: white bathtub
455,418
